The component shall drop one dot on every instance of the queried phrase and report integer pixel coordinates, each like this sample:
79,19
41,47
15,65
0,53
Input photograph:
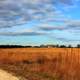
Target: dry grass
42,63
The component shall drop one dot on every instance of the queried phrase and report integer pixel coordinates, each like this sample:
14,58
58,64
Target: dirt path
7,76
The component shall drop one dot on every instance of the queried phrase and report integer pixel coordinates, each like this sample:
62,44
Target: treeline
41,46
13,46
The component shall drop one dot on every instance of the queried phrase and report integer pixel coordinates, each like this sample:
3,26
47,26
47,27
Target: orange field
42,63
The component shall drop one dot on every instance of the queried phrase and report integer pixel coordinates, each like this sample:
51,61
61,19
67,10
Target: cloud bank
17,12
14,12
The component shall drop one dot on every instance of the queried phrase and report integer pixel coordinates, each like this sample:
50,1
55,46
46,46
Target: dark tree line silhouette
41,46
13,46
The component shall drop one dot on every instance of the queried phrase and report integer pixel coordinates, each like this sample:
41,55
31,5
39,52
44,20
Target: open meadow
42,63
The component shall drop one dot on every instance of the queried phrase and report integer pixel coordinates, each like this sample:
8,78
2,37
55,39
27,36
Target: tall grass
43,64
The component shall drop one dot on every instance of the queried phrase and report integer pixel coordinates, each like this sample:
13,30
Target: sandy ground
7,76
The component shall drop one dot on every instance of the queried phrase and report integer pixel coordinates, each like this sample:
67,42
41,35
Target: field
42,63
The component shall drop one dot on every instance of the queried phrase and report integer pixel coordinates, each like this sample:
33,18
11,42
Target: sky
36,22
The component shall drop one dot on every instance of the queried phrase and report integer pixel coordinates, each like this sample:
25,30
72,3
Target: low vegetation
42,63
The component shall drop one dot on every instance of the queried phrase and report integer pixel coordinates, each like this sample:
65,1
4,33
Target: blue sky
35,22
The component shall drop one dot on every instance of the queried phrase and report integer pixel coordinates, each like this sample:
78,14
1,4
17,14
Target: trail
7,76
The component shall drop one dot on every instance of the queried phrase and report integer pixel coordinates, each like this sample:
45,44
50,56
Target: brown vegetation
42,63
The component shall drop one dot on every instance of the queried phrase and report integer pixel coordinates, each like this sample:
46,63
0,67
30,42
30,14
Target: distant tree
57,46
62,46
78,46
27,46
36,46
69,46
42,46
